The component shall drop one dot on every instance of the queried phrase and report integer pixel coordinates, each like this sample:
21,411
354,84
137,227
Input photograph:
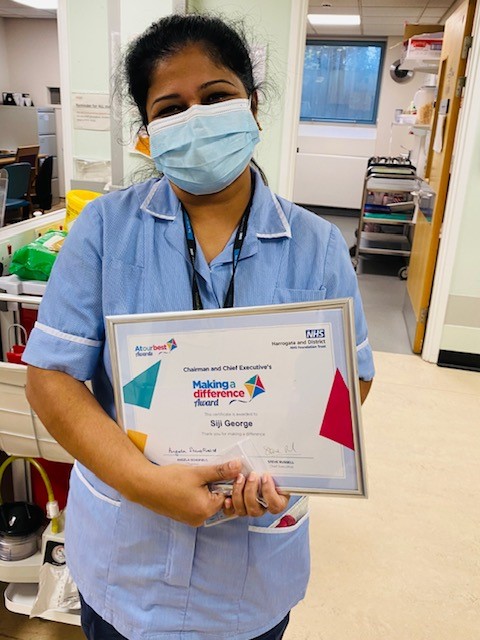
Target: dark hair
224,44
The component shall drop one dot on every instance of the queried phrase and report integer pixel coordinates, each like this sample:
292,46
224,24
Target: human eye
217,96
169,110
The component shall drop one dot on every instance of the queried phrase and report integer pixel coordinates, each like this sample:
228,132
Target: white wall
89,71
394,95
4,71
332,159
32,57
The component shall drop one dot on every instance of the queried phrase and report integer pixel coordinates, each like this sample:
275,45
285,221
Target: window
341,81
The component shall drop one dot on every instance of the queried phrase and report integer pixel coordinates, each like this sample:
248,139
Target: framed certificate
279,381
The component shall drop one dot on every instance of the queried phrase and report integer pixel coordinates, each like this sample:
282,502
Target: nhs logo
315,333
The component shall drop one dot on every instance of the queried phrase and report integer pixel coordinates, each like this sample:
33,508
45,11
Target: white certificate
280,381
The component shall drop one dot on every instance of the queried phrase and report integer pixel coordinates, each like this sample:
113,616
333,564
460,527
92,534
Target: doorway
332,154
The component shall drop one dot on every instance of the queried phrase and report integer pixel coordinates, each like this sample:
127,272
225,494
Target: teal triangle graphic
139,391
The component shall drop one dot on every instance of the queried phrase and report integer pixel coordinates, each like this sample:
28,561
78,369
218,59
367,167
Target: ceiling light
332,19
39,4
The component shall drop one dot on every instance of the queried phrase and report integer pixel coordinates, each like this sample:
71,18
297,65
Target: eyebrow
205,85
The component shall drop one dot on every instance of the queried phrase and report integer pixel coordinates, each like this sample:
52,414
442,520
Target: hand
245,492
181,492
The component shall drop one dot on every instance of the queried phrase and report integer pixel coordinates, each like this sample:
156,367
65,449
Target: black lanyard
237,247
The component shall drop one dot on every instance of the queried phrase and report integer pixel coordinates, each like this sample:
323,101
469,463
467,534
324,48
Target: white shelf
384,244
423,65
14,286
386,220
395,185
421,129
20,598
21,570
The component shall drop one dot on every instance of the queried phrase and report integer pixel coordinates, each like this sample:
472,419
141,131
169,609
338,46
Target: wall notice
91,111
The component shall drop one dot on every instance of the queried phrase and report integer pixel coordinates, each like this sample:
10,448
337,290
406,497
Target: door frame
293,96
464,150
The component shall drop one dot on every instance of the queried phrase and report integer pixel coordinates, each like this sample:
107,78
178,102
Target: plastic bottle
424,99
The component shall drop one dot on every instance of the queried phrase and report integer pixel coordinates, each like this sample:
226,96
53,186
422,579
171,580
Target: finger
237,496
250,495
213,504
228,508
219,472
277,502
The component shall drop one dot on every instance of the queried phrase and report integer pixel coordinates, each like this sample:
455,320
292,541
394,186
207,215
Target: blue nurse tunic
150,576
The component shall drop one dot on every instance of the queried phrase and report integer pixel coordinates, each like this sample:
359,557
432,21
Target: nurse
207,234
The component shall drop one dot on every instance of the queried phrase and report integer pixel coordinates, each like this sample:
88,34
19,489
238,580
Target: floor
404,564
382,292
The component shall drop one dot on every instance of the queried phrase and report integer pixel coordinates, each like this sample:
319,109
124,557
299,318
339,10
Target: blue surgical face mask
205,148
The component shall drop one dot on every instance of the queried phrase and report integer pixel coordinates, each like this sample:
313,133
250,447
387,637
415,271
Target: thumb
219,472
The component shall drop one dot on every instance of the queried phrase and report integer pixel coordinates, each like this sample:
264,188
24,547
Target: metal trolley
385,226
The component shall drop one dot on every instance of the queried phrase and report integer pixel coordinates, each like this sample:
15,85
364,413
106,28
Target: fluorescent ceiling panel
39,4
330,19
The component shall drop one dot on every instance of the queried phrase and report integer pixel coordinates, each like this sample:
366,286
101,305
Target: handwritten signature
287,449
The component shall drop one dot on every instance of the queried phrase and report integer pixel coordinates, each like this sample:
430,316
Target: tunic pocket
91,523
279,566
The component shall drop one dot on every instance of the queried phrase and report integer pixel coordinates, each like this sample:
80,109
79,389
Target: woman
208,234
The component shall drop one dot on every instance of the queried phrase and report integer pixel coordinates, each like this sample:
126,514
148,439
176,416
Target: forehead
191,66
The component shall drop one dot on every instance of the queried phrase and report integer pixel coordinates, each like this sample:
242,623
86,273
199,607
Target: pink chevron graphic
337,421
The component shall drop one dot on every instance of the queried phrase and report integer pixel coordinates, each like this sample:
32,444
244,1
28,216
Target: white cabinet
47,139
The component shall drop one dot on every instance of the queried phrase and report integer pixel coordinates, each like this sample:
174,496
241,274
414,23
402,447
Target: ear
254,99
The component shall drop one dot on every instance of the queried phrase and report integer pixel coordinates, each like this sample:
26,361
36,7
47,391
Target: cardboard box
419,29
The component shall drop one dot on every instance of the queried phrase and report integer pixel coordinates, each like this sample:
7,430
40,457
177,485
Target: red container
14,356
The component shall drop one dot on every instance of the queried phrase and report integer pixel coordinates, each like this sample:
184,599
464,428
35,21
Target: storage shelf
21,570
386,220
384,244
394,184
423,65
20,598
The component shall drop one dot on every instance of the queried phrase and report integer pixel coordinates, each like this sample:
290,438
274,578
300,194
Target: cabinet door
46,122
48,145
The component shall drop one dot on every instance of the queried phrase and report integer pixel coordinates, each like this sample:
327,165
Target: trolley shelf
20,598
387,220
385,244
399,184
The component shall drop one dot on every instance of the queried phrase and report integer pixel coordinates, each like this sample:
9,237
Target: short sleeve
341,282
70,333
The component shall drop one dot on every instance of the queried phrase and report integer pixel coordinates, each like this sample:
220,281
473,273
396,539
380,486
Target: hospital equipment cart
386,222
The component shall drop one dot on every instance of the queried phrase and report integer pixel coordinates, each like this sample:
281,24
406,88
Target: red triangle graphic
259,383
337,421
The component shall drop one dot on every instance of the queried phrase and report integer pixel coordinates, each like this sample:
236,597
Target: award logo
208,393
152,349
